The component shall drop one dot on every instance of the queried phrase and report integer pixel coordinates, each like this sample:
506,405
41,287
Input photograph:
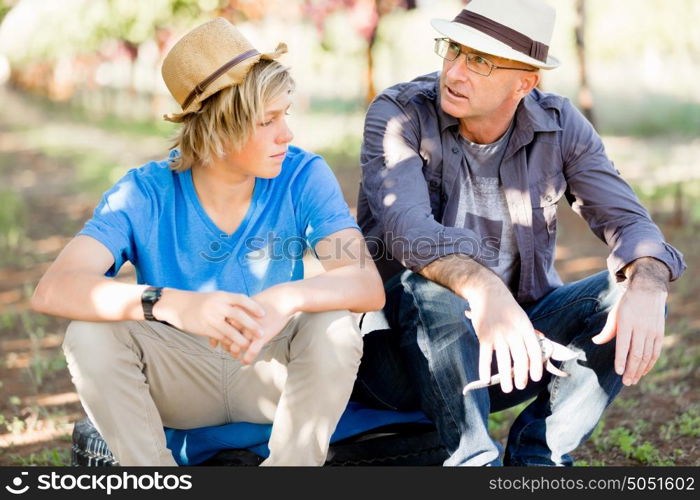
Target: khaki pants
135,377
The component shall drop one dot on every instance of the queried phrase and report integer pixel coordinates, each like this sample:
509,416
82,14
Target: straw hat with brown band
209,58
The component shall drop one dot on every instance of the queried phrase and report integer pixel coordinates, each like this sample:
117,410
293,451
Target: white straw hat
520,30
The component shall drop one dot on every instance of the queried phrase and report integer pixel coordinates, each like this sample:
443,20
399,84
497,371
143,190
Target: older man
461,174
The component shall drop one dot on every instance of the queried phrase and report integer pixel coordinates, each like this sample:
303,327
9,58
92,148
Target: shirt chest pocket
544,195
547,192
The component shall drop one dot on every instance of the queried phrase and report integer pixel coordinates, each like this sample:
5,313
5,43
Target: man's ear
527,82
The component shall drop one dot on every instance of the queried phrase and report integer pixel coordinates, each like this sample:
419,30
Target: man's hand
638,320
502,325
499,321
230,318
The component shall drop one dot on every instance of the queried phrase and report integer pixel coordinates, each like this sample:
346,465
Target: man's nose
457,69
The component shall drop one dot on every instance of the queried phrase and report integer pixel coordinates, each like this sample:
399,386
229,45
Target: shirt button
434,184
455,150
548,198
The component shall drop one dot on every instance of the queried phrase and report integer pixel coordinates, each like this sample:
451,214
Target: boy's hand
280,303
230,318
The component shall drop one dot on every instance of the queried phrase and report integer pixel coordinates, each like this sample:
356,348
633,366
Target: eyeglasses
450,51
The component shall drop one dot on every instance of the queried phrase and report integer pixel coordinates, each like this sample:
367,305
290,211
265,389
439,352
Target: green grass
75,112
336,106
42,365
626,403
500,422
686,425
662,199
689,424
13,211
14,426
8,320
345,153
650,116
54,457
630,443
592,463
94,172
156,128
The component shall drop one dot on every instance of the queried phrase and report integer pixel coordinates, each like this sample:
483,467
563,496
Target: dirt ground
654,423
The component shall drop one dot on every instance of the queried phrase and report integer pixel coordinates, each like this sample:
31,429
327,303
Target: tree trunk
585,97
369,76
678,209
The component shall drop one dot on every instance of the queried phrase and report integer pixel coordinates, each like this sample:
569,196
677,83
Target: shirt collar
530,117
532,114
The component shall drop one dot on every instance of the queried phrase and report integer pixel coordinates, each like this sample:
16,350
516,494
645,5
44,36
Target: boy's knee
94,346
332,338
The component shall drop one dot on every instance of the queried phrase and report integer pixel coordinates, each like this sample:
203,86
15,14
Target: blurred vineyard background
81,101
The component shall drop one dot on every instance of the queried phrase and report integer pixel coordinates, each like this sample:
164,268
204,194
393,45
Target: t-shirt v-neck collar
193,198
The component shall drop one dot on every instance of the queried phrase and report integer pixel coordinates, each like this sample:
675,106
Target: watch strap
149,297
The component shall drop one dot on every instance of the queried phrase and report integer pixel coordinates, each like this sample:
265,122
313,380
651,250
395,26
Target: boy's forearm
86,297
348,287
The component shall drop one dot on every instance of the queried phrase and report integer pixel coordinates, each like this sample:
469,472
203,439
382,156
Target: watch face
150,295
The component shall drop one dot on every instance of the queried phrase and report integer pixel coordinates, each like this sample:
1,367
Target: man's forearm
649,273
461,274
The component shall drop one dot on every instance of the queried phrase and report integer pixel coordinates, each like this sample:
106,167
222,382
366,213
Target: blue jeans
421,350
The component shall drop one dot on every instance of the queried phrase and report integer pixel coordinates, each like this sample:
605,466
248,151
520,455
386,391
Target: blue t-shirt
152,217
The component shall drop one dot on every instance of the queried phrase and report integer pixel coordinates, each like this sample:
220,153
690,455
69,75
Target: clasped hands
241,324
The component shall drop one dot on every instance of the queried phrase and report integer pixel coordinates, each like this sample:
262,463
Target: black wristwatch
149,297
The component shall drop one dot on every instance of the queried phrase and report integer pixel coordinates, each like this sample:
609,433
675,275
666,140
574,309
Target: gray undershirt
483,208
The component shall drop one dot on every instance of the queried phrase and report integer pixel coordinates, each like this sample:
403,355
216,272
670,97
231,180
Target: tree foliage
39,30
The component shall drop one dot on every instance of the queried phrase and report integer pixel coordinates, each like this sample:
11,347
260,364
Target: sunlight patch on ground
48,342
52,399
45,430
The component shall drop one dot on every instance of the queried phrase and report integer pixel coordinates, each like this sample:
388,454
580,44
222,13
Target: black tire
397,444
88,446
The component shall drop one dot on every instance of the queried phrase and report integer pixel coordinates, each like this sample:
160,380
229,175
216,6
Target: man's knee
427,293
604,287
439,309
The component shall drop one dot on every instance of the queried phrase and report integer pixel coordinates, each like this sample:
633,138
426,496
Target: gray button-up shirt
411,159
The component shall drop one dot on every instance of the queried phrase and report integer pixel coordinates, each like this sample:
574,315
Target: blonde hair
228,118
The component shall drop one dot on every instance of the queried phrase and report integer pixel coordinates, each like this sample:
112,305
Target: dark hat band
514,39
201,87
